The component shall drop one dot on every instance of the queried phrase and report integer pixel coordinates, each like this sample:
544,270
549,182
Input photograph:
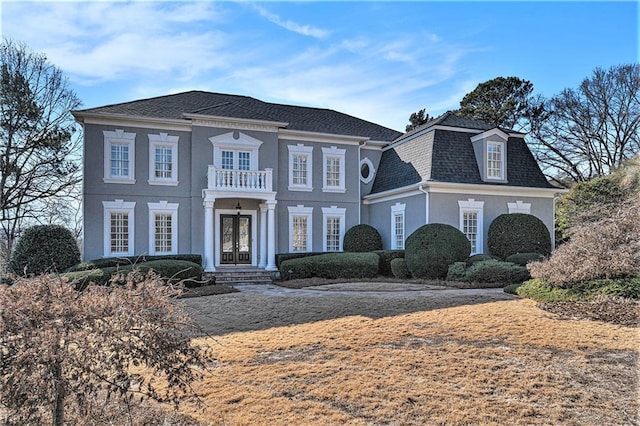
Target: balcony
256,181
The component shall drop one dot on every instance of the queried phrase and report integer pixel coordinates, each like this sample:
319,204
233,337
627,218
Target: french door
235,239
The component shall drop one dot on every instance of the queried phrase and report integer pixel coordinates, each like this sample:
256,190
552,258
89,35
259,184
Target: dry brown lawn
495,363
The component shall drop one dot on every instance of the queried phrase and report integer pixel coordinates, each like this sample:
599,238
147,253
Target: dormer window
495,160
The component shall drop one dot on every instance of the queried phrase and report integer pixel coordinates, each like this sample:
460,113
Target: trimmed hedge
512,233
332,265
523,258
386,256
281,257
44,248
399,268
172,271
430,249
478,258
362,238
543,292
131,260
488,271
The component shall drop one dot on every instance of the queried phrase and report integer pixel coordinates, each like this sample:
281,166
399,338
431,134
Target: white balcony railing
240,180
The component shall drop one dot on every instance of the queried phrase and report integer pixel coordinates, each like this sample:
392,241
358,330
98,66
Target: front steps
231,276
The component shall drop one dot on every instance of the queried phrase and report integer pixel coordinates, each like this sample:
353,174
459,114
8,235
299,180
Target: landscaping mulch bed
604,308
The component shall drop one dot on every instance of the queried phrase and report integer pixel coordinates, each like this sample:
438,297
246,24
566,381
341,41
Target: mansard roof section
447,155
244,107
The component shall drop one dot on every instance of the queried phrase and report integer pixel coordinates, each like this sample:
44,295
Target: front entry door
235,239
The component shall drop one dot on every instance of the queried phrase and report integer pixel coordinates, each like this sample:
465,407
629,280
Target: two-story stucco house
238,180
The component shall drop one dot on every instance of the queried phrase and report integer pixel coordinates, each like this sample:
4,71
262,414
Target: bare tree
62,350
589,131
37,144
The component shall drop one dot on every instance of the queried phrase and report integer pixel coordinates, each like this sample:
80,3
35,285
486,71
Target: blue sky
379,61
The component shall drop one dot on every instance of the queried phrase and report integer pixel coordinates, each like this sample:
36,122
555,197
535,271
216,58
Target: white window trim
159,141
333,152
397,210
328,212
519,207
235,141
163,207
472,206
118,206
300,149
301,210
372,170
119,137
503,160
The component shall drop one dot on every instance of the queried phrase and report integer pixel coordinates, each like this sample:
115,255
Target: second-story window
119,157
300,167
235,160
163,159
333,169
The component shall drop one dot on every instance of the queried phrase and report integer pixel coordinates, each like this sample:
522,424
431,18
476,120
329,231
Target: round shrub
399,268
44,248
430,249
386,256
478,258
362,238
518,233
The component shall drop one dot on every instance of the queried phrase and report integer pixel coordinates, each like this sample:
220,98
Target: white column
263,236
271,236
209,264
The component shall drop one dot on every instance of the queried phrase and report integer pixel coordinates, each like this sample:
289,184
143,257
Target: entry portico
229,235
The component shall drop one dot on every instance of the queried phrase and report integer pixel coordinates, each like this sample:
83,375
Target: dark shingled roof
448,156
234,106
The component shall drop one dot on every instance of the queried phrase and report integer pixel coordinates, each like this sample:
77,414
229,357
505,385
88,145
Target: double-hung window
119,156
495,160
300,228
471,223
300,167
397,226
163,231
333,169
333,227
163,159
118,228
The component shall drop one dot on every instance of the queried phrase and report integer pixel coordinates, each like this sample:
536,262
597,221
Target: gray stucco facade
300,182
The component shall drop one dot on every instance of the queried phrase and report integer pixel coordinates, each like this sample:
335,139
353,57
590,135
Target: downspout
426,204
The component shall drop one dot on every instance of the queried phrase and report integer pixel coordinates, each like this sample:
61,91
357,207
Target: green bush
478,258
543,292
281,257
430,249
386,256
512,288
518,233
44,248
131,260
523,258
399,268
488,271
362,238
332,265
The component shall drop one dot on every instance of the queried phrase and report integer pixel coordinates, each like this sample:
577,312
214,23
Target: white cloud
306,30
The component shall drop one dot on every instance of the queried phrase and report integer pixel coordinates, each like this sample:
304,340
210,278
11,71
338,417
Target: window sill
163,182
300,188
332,189
122,181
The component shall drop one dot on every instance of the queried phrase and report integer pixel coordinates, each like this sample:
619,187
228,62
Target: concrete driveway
258,307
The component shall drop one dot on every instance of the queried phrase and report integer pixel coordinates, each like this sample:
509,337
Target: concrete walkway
258,307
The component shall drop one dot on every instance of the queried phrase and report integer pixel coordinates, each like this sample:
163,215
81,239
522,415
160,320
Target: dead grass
495,363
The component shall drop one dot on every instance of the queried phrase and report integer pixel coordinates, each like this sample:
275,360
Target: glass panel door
235,239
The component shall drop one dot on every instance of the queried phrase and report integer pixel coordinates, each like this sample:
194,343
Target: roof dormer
490,148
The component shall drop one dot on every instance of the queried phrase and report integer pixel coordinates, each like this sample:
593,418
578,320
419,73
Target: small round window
366,170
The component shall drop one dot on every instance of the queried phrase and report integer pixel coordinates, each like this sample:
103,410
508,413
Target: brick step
256,276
